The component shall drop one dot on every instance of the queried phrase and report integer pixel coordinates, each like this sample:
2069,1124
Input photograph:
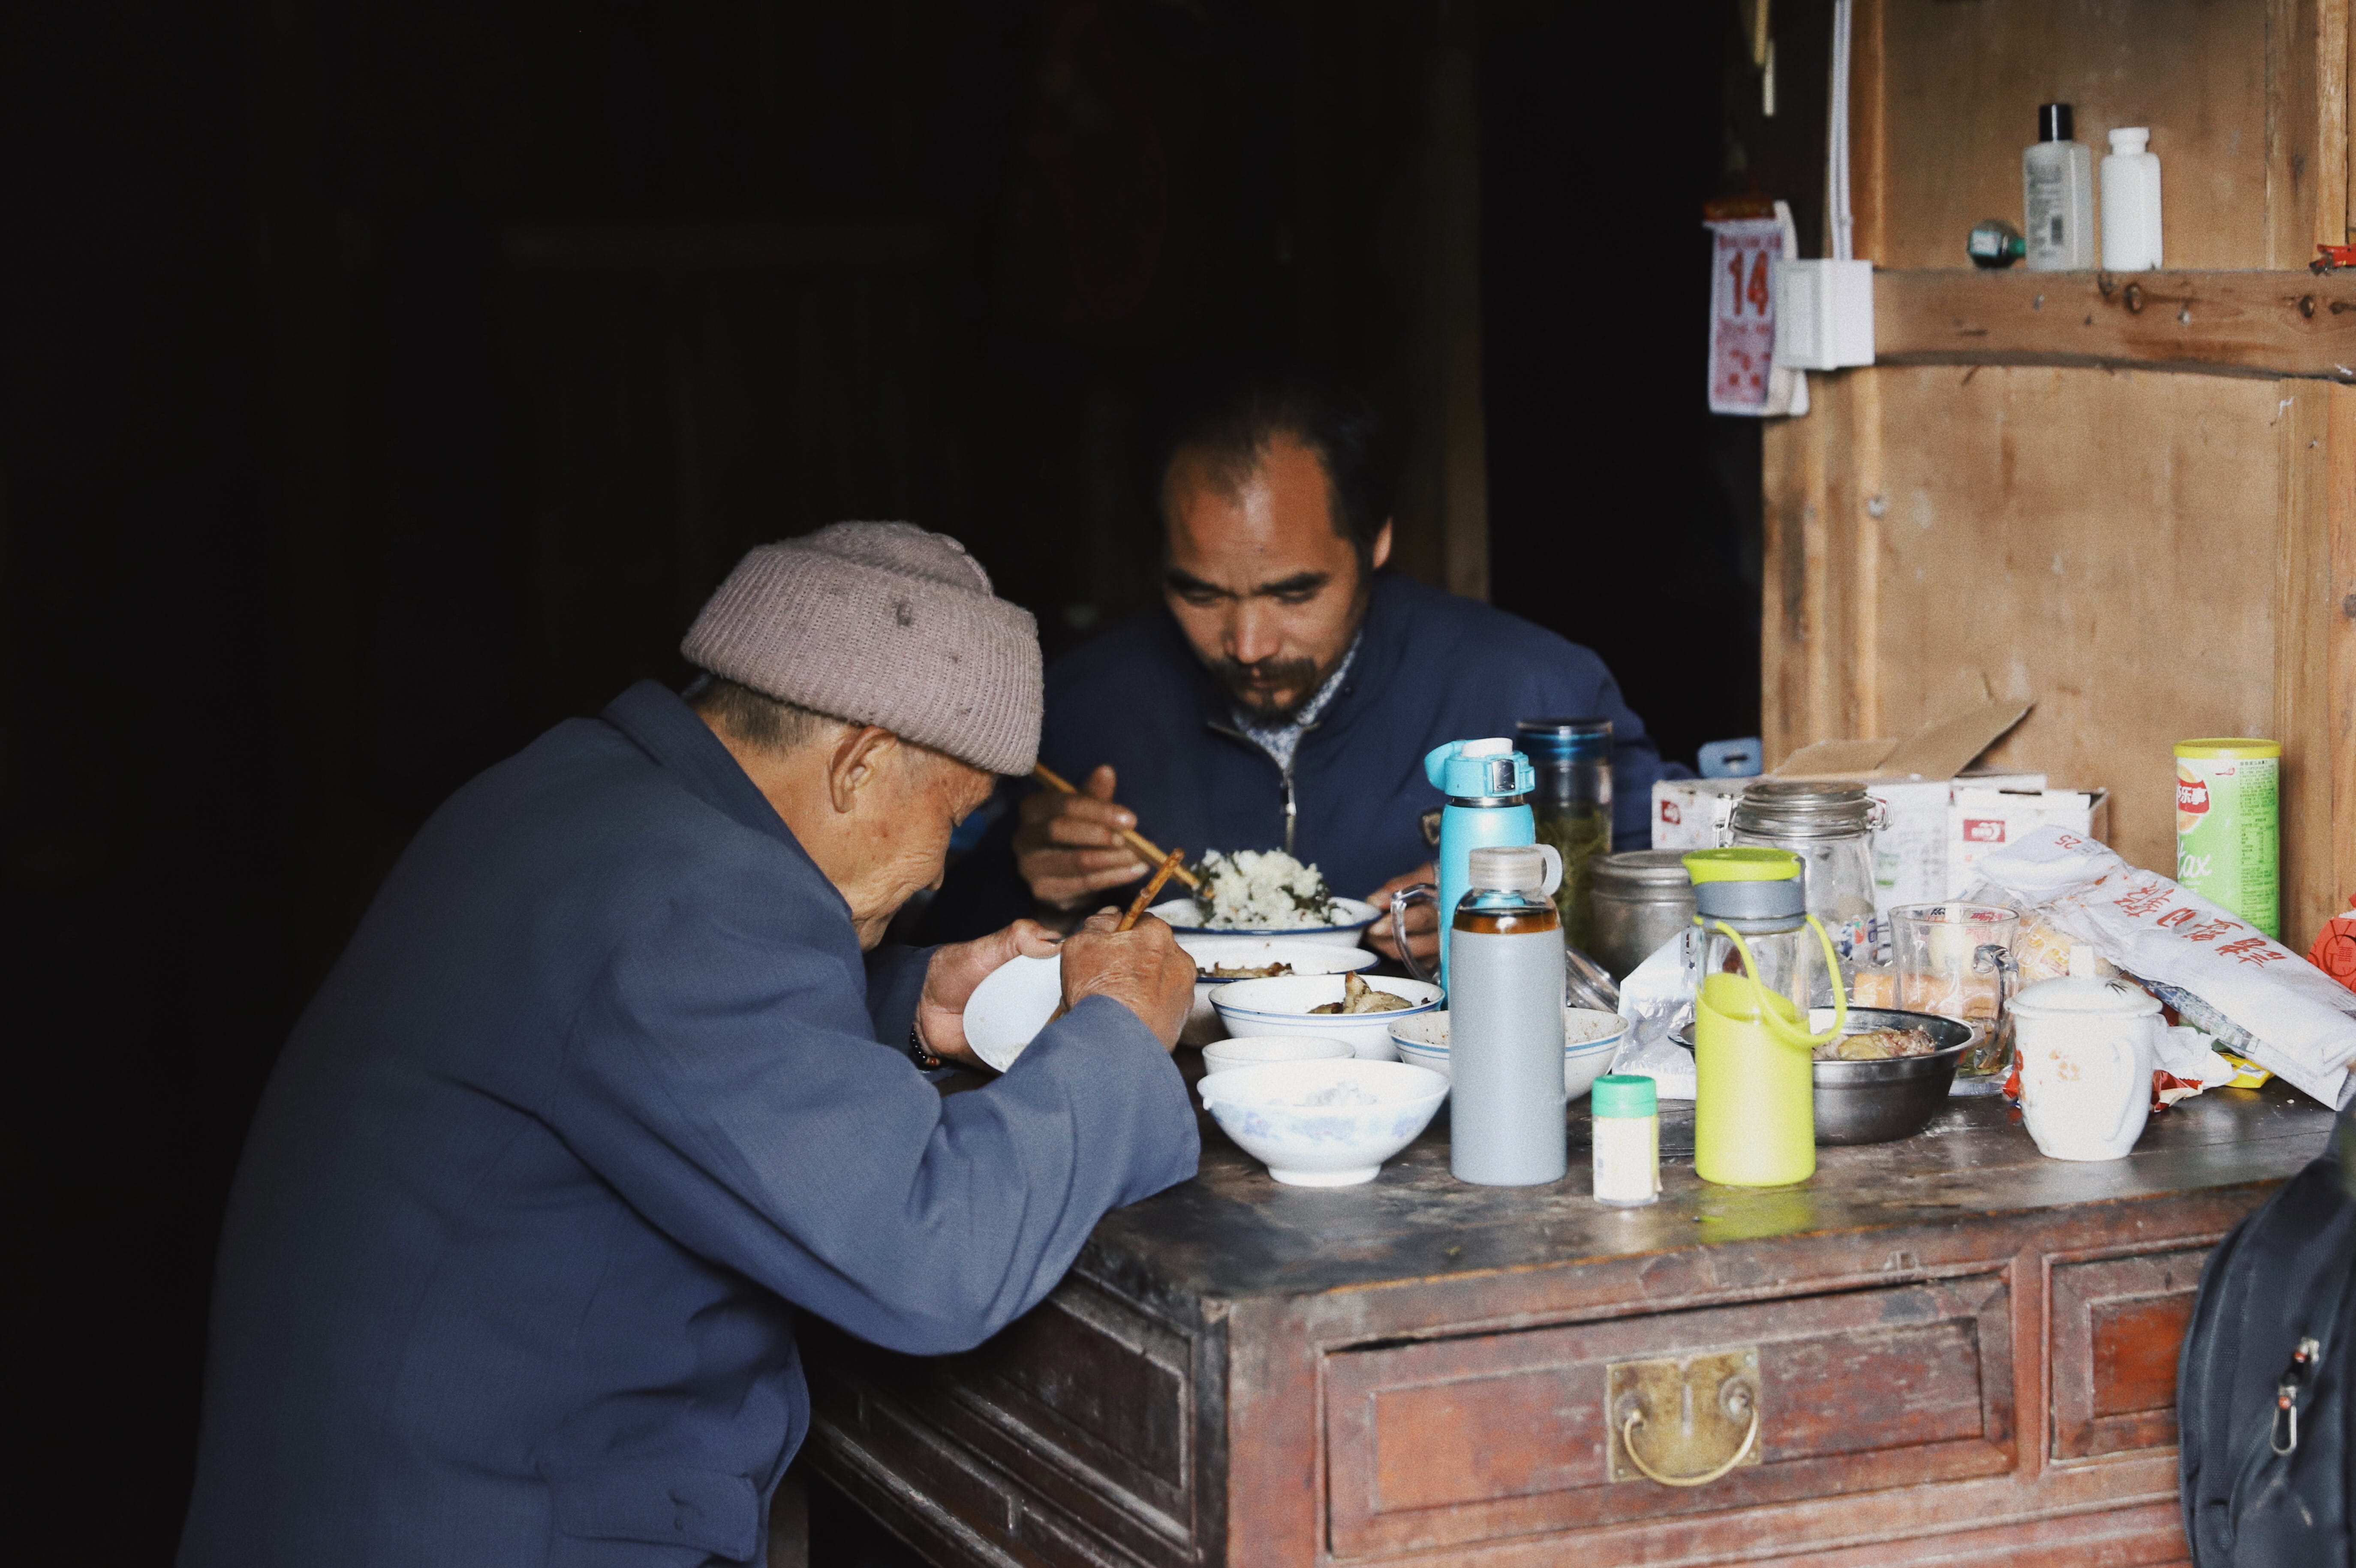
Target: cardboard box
1915,859
1688,814
1981,820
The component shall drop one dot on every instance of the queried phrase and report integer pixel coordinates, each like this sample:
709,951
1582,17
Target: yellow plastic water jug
1754,1095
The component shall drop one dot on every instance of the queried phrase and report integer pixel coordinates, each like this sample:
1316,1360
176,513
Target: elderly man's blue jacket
601,1084
1431,667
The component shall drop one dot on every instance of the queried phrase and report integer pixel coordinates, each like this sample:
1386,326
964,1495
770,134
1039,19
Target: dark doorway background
383,383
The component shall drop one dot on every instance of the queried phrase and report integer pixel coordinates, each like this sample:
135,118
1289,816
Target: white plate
1011,1006
1186,915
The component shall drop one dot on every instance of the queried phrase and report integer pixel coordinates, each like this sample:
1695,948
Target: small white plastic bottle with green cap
1626,1108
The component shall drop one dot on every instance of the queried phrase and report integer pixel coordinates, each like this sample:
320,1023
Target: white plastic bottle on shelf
2131,202
2057,181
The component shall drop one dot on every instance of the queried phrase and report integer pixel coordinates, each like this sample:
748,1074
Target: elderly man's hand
1069,846
1143,969
956,970
1422,920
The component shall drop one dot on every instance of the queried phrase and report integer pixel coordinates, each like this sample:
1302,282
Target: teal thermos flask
1488,784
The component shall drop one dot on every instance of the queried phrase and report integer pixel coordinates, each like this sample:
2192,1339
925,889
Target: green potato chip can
2229,826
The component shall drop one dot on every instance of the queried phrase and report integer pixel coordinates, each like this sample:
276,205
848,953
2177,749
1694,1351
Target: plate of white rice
1267,894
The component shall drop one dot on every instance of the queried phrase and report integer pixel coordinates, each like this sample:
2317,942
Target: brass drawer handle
1637,1419
1692,1410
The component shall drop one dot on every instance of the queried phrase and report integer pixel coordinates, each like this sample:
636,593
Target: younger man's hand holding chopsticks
1069,846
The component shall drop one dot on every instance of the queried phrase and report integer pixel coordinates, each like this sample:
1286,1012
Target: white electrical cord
1837,152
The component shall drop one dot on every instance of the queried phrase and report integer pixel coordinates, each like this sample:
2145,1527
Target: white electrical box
1824,314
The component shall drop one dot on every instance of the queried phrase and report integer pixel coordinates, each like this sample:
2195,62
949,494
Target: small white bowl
1269,1112
1013,1003
1591,1040
1307,957
1281,1006
1221,1055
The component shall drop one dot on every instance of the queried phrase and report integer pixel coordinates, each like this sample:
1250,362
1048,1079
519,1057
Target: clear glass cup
1956,960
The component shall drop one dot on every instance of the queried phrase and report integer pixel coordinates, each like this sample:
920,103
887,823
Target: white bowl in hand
1324,1124
1305,956
1281,1006
1590,1039
1011,1006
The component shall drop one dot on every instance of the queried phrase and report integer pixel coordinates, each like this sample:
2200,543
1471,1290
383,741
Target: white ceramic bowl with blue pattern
1324,1124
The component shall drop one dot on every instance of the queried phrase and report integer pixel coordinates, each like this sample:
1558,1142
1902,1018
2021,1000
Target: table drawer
2118,1326
1443,1442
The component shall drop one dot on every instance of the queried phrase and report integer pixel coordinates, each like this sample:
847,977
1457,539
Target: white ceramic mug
2085,1080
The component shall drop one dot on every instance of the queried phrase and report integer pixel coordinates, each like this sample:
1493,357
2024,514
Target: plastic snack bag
2254,995
1654,999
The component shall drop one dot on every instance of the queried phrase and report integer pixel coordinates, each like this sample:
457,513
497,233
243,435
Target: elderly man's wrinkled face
1266,587
873,811
902,818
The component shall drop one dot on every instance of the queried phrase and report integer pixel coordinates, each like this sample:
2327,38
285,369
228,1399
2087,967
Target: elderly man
1287,698
607,1080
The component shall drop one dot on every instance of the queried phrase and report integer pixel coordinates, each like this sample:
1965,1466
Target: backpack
2265,1386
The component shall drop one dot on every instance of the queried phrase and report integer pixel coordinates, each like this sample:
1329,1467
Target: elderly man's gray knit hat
882,624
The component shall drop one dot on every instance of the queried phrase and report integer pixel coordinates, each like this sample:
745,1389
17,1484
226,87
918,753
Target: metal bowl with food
1887,1098
1878,1101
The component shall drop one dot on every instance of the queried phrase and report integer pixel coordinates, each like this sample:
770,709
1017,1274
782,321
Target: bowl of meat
1224,960
1332,1007
1887,1074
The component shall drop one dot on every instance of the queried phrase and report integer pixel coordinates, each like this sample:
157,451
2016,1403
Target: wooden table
1950,1336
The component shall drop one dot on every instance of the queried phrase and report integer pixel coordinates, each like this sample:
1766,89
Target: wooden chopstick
1146,848
1136,909
1145,894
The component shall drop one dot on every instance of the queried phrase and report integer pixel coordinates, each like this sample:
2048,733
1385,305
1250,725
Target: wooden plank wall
2150,555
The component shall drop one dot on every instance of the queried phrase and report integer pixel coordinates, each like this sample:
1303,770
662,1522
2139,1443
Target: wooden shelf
2257,323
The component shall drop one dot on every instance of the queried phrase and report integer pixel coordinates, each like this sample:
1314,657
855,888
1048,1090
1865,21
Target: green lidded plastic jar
1626,1108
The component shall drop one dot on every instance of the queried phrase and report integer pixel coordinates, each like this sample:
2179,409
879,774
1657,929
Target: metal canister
1640,899
1830,826
2229,826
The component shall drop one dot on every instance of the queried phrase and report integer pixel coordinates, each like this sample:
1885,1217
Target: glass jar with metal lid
1642,898
1830,825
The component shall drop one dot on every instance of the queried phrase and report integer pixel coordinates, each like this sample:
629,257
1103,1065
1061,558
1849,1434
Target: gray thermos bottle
1507,1126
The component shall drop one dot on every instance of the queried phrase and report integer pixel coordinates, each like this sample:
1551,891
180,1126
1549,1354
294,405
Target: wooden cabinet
2131,498
1948,1338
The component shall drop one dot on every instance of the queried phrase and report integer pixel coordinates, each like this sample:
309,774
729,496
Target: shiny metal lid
1795,809
1645,872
